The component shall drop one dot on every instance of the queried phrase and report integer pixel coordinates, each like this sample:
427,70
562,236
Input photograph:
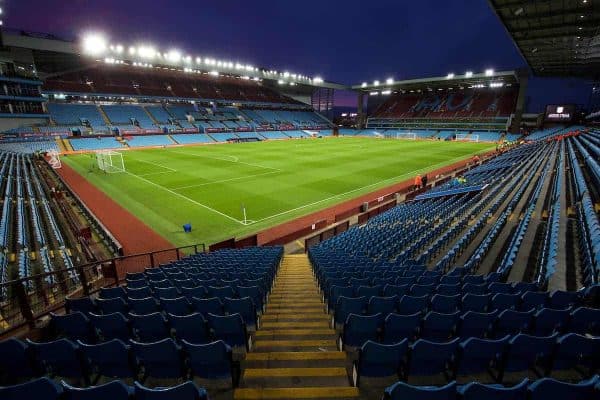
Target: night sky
343,41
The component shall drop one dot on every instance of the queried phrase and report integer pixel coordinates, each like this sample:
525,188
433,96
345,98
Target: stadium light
386,92
389,81
469,74
489,72
280,81
450,75
119,48
94,44
147,52
317,79
174,55
214,73
375,83
364,84
373,93
132,50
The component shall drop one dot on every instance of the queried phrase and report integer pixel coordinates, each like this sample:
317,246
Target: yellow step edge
298,332
295,317
296,356
295,393
293,324
260,343
293,372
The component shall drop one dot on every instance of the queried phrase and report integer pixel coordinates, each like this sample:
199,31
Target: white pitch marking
185,198
225,180
223,159
447,162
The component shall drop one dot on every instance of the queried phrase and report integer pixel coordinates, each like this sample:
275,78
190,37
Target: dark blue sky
348,41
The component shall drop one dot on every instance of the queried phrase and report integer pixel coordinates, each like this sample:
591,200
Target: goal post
400,135
466,137
110,161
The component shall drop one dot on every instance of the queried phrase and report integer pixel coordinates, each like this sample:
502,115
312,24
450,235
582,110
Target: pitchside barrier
25,301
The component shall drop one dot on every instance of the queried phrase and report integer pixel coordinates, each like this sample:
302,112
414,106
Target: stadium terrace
179,226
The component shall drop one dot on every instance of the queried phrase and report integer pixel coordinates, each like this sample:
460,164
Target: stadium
181,226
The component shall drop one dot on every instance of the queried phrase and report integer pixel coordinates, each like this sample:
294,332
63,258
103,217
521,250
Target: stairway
294,353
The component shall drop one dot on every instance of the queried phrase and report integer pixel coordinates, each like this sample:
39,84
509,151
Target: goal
466,137
400,135
110,161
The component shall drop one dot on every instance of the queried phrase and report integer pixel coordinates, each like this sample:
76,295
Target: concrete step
339,393
294,345
295,377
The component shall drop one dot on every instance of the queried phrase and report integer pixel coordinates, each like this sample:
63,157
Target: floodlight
94,44
147,52
450,75
132,50
281,82
198,60
373,93
386,92
119,48
489,72
389,81
174,55
318,79
214,73
364,84
375,83
469,74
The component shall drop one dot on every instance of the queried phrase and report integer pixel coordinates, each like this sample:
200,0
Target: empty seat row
85,364
46,389
492,360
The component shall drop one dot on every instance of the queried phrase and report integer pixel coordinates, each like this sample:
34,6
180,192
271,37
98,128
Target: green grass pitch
276,181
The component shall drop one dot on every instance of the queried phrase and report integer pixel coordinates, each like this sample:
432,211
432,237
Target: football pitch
274,181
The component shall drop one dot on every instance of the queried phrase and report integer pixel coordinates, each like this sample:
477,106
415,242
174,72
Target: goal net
401,135
110,161
465,137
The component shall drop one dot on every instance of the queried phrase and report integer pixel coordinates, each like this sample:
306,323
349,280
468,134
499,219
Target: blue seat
212,305
162,283
146,305
192,328
445,304
395,290
533,300
244,307
499,287
448,290
481,391
406,280
255,293
170,292
403,391
578,353
20,367
382,305
474,288
113,292
335,292
585,320
430,358
60,358
185,391
176,306
115,390
139,293
528,353
476,302
377,360
439,327
475,324
505,301
511,322
346,306
74,326
450,280
110,306
548,320
421,290
428,280
82,304
110,326
161,359
180,283
399,327
221,292
150,327
134,276
409,305
548,388
369,291
360,328
210,360
193,291
560,299
136,283
110,359
474,279
477,356
41,388
522,287
358,282
230,329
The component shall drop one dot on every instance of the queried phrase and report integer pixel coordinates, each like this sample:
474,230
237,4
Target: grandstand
327,273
